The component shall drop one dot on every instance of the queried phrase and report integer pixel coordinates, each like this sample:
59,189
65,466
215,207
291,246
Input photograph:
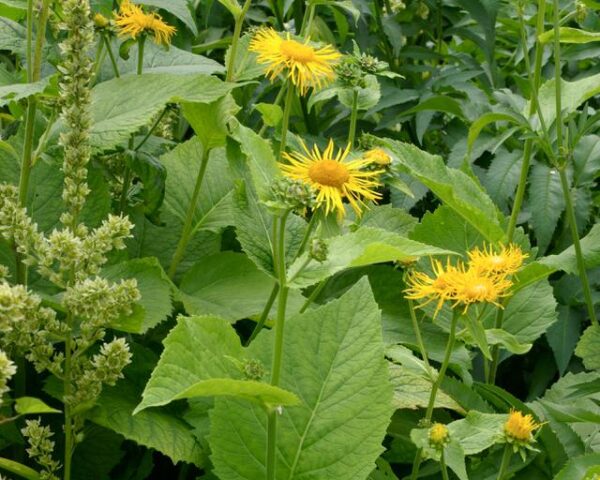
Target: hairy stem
285,122
505,462
265,313
111,55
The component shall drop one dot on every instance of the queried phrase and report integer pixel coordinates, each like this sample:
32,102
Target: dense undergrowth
332,239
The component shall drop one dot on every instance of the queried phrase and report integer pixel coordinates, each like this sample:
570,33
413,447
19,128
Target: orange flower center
297,51
329,172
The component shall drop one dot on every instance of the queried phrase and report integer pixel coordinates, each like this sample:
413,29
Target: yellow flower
520,427
304,65
332,178
490,261
440,287
378,156
100,21
471,286
132,21
438,434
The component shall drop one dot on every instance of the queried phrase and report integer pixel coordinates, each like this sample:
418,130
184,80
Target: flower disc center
297,51
329,172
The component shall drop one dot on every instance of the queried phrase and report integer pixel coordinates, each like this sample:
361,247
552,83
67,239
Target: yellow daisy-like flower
438,435
440,287
503,261
332,178
520,427
471,286
378,156
303,64
131,20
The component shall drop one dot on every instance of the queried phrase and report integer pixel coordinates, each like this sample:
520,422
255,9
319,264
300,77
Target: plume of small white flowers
7,370
41,448
76,71
98,303
28,328
105,368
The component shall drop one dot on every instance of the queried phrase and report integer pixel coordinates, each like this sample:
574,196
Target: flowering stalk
189,218
239,22
506,456
285,122
436,386
280,267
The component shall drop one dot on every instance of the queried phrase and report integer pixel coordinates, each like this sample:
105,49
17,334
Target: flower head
438,435
332,178
378,156
502,261
131,20
471,286
438,287
519,428
304,65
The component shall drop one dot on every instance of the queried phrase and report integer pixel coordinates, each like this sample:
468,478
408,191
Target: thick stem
570,211
435,388
557,78
29,53
141,47
353,118
505,461
285,122
189,218
239,23
39,41
113,61
443,466
278,346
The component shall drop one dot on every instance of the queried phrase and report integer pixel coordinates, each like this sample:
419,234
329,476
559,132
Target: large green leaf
584,467
122,106
545,202
588,348
333,360
19,91
365,246
155,288
155,428
573,94
456,189
159,60
478,431
196,349
180,8
227,284
214,208
564,334
530,312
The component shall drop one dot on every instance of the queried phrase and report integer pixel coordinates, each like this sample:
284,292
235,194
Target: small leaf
588,348
32,405
570,35
271,114
507,341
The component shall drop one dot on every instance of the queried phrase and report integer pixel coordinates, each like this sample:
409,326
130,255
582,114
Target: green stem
126,181
189,218
353,118
265,313
151,130
141,47
443,465
307,21
557,79
277,12
570,211
440,28
435,388
527,152
278,346
39,41
505,461
417,329
66,399
285,122
113,61
307,233
239,23
29,53
313,295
